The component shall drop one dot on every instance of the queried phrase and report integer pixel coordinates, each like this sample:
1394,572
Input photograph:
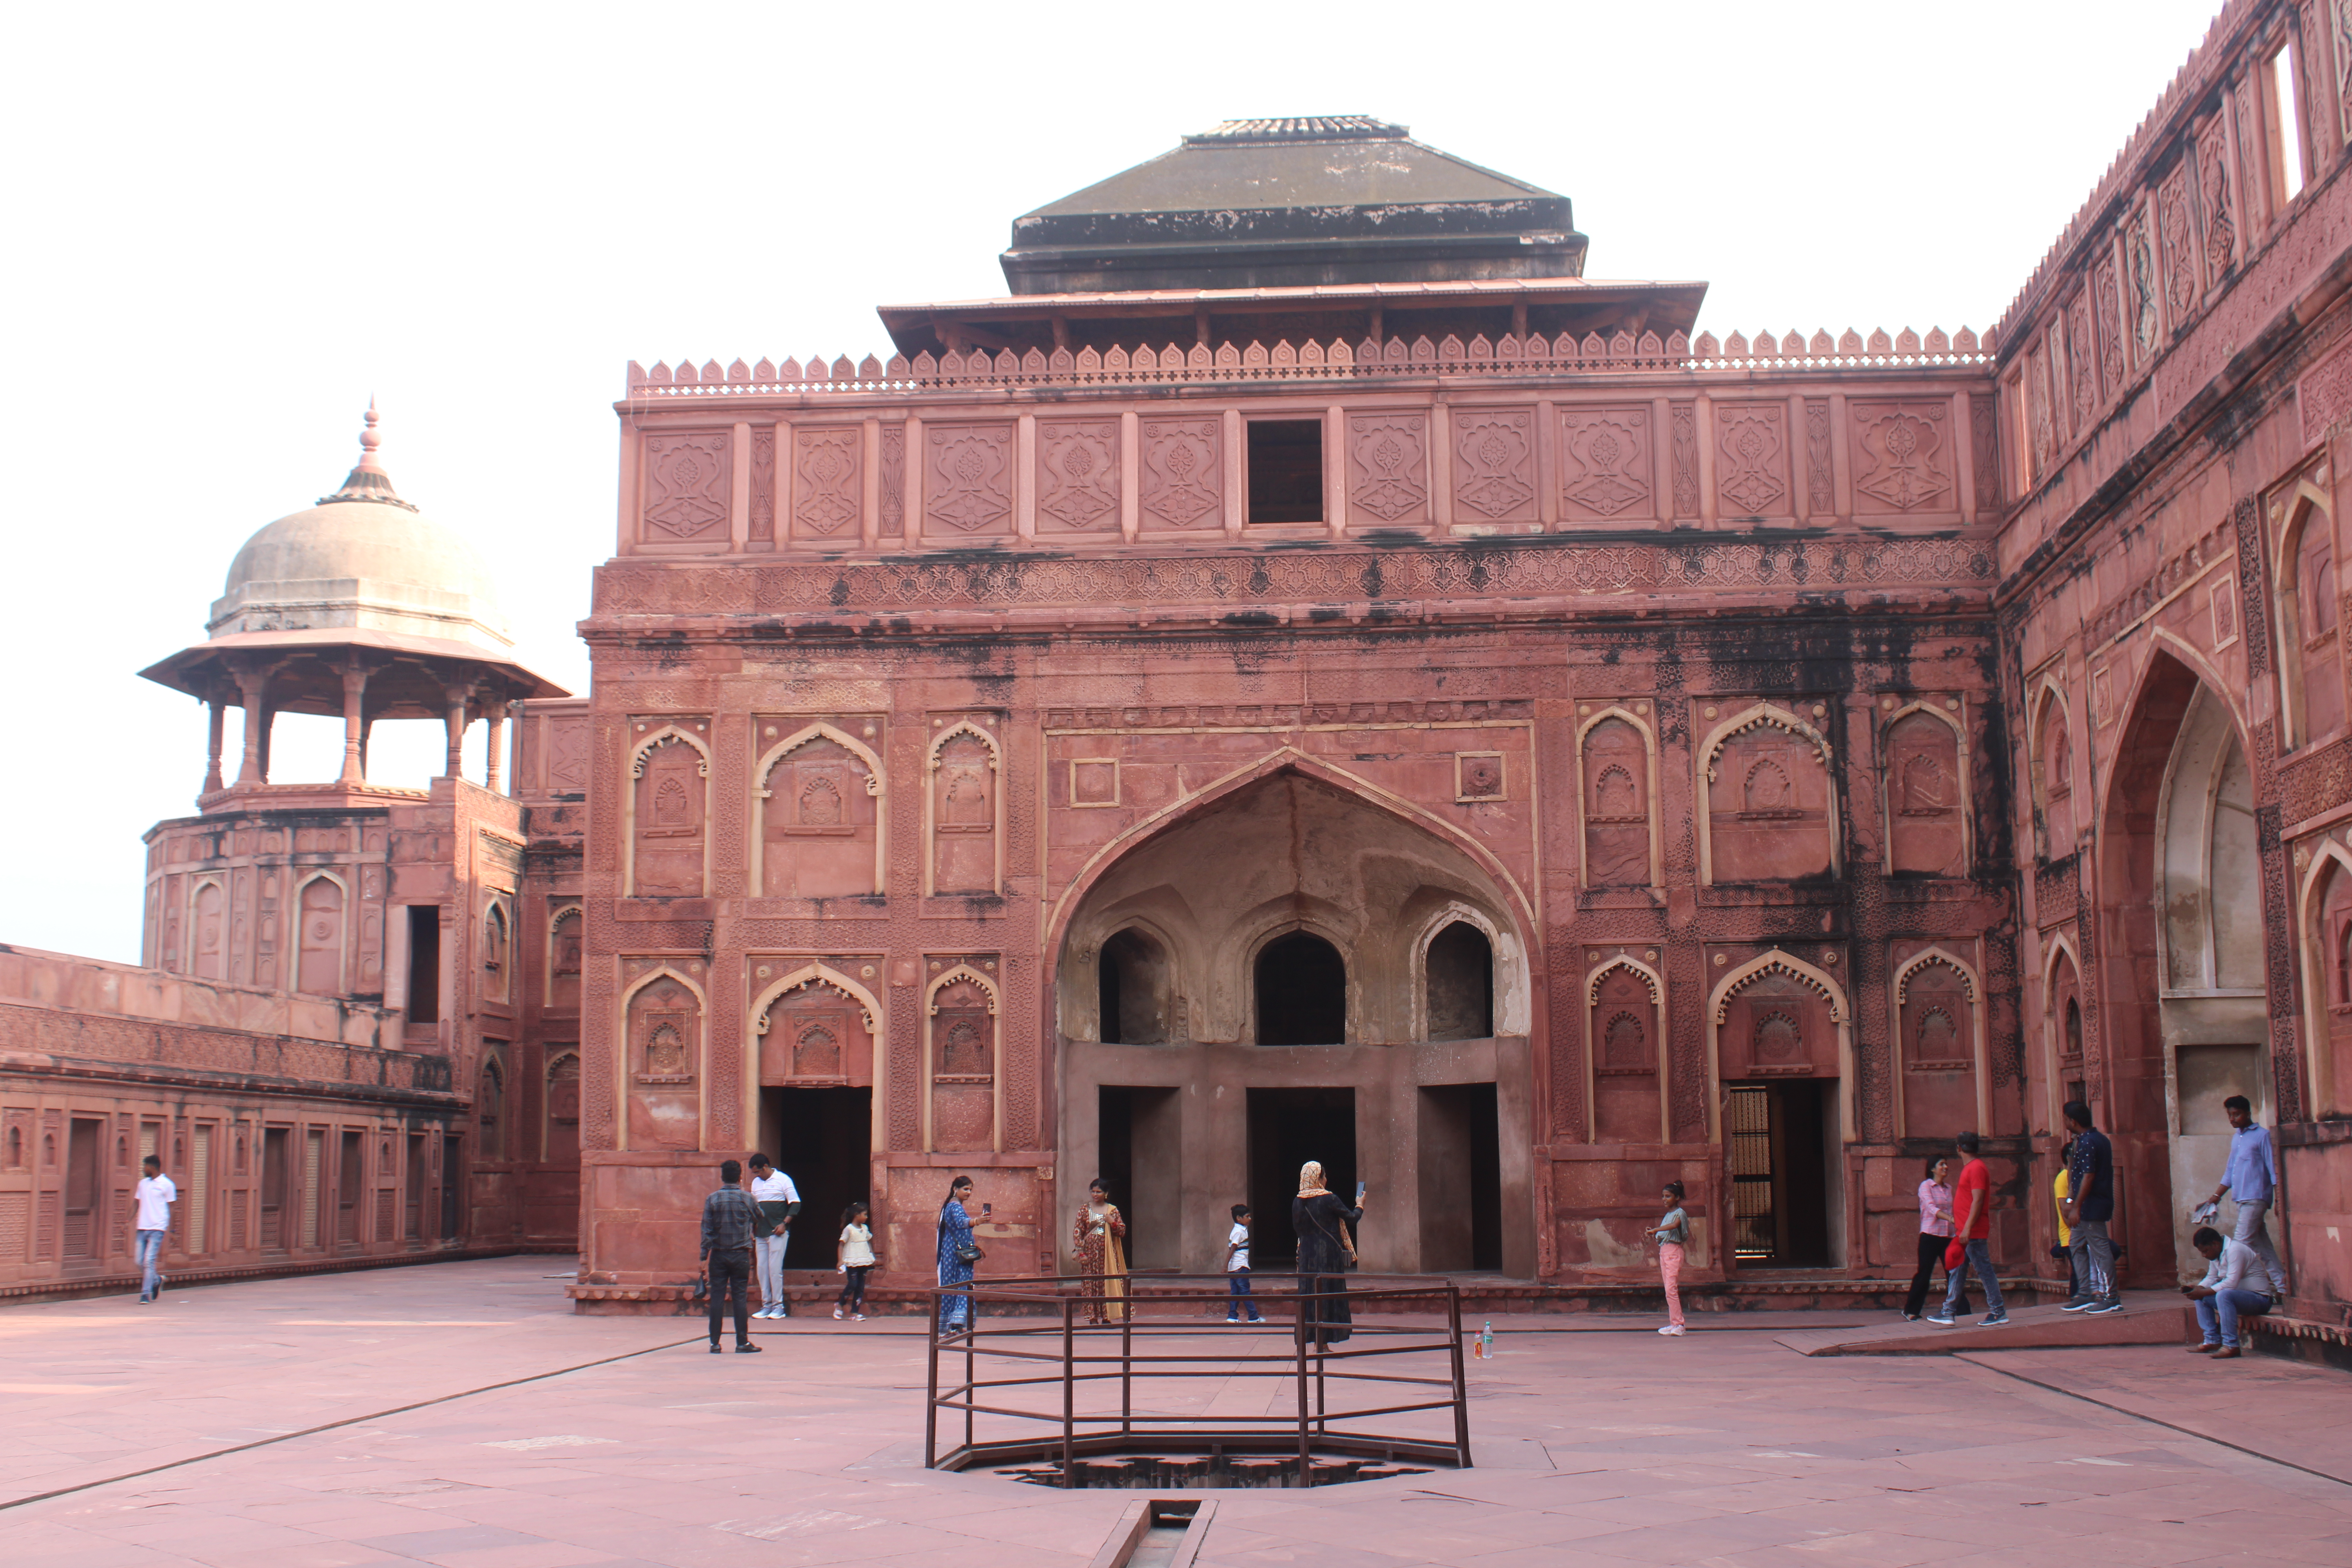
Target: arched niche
663,1036
490,1110
208,928
2210,867
2058,1061
498,952
1927,784
961,1105
560,1140
1277,848
1457,969
1770,806
2052,767
2311,655
818,830
1625,1019
816,1027
2326,923
319,937
965,810
1135,987
566,934
1299,990
1617,769
665,809
1940,1021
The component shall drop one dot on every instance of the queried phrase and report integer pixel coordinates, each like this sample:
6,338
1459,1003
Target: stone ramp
2148,1317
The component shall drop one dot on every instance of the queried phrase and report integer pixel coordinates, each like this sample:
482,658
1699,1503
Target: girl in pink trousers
1673,1233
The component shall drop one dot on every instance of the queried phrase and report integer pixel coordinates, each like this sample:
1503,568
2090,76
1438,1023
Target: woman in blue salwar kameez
955,1236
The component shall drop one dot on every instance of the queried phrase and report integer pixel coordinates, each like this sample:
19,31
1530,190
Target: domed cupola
361,605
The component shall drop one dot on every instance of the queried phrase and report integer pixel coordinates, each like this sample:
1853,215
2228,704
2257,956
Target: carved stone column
498,718
253,684
355,677
459,718
219,707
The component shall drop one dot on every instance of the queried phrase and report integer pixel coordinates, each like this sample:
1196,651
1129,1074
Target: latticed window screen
1748,1152
200,1181
314,1144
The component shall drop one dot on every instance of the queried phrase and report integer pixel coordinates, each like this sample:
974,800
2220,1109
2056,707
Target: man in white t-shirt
156,1195
779,1201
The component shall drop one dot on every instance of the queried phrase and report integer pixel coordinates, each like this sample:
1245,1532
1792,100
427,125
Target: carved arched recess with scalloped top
666,806
1769,800
1625,1020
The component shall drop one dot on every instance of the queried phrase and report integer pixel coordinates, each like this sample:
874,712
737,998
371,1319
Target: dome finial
367,479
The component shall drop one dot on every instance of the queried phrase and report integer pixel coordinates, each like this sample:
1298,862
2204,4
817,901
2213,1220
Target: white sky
231,224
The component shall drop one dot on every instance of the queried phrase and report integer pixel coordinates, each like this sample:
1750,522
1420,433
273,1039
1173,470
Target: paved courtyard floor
459,1414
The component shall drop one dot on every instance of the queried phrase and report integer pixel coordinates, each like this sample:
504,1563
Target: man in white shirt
2230,1291
779,1201
156,1195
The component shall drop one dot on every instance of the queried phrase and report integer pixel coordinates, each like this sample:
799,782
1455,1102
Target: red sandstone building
1311,674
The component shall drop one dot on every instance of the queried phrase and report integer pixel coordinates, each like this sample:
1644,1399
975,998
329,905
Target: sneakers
714,1347
1942,1320
836,1314
1992,1319
2110,1304
1674,1328
1910,1317
2079,1303
856,1317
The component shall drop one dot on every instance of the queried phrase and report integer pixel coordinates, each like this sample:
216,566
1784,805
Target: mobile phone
988,1208
1360,1194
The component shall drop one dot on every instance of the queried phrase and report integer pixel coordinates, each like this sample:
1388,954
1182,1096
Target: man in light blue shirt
2252,1178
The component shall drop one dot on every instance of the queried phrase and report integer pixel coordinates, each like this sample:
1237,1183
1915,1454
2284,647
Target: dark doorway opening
1461,1148
1302,993
1459,977
347,1189
275,1163
1132,987
415,1220
424,963
1776,1154
1139,1138
1289,1127
1286,470
453,1189
823,1139
82,1191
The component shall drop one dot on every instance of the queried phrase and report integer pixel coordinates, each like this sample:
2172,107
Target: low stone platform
2148,1317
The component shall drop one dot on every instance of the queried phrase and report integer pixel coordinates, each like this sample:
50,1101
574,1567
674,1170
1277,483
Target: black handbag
1343,1241
968,1252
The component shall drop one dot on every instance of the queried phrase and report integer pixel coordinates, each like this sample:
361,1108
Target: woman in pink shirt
1934,1233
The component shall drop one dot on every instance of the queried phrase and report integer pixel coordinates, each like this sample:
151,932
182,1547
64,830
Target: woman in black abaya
1327,1250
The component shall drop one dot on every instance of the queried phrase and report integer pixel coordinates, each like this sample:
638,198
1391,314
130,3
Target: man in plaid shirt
726,1226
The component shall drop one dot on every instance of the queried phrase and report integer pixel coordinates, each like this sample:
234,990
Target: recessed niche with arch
1770,810
2327,988
1458,984
318,940
817,799
2054,775
2311,659
1300,984
498,954
1926,793
666,800
1134,986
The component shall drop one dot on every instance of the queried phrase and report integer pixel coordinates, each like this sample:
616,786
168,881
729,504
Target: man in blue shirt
2252,1178
2090,1204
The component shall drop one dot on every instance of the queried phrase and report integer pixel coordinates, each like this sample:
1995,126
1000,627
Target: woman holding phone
1099,1238
957,1253
1327,1250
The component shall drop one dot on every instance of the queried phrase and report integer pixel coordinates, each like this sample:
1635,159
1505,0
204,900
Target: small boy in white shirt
1237,1267
156,1195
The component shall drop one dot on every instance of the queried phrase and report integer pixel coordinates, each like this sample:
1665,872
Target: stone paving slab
1720,1449
2148,1317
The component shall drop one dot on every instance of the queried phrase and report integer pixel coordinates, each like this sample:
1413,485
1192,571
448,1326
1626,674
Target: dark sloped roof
1293,203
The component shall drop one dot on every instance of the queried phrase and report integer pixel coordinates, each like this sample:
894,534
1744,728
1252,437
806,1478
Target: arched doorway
1323,977
2181,1021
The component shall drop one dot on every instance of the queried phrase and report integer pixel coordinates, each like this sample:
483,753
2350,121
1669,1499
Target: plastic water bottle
1486,1341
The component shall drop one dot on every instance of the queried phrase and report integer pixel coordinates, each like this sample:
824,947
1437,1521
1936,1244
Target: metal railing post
1127,1366
1069,1392
971,1354
1306,1464
1461,1396
931,1410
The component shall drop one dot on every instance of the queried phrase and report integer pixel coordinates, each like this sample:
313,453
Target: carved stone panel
818,819
1768,805
1606,467
670,806
892,523
1616,768
1925,800
2216,197
2106,314
763,484
665,1041
827,486
816,1032
2081,365
2054,760
1494,465
1388,468
968,480
1777,1026
565,949
1751,459
1937,1023
1078,476
1623,1026
1903,458
687,482
1183,473
962,1021
2175,225
318,942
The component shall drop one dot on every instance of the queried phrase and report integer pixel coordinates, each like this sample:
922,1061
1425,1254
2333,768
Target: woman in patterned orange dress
1100,1238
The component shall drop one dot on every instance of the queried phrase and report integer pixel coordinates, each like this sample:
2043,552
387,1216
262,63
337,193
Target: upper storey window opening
1286,470
2285,125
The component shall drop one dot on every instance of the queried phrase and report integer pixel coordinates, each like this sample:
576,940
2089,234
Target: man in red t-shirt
1972,1226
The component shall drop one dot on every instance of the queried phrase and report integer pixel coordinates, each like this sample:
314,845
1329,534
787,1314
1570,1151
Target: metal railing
1029,1356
